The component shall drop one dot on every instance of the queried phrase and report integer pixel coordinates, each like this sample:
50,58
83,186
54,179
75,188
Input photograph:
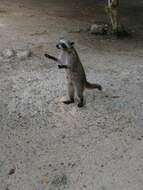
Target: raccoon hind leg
79,90
71,93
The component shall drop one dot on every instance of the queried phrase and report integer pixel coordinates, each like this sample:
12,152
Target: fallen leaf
45,179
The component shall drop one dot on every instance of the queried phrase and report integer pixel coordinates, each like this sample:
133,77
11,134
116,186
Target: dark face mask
61,45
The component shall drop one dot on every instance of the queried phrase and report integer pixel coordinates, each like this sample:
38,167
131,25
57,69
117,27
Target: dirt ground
46,145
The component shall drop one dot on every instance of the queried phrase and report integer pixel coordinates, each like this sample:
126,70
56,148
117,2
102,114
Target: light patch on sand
2,25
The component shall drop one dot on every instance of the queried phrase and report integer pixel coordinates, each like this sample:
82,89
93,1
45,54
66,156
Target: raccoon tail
92,86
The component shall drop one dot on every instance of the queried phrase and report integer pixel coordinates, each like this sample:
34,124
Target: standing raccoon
69,60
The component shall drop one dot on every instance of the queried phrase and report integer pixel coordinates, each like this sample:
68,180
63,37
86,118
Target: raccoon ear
72,43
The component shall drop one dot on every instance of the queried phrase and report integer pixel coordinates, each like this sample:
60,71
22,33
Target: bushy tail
92,86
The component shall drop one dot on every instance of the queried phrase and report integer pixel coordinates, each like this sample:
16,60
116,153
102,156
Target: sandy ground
45,145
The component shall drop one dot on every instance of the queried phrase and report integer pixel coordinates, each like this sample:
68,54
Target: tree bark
114,15
113,11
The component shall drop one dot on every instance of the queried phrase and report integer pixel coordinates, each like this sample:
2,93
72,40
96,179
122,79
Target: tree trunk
114,15
113,11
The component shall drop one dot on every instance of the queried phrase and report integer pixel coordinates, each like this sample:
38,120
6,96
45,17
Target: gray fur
69,60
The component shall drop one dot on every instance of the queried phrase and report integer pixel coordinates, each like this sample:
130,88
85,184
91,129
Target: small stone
139,138
54,126
63,137
45,179
23,54
84,186
59,180
98,29
12,171
102,166
8,53
73,165
50,165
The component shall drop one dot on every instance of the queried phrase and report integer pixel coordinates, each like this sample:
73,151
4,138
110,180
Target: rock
59,180
99,29
45,179
8,53
79,30
23,54
12,171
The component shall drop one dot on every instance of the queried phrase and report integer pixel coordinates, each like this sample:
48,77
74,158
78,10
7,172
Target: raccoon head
65,45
